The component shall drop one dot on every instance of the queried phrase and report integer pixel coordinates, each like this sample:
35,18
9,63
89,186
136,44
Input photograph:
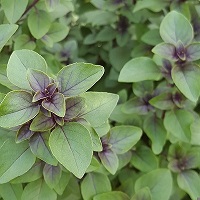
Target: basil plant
53,116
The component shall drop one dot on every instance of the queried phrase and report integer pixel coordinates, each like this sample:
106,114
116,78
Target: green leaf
38,190
2,97
153,5
186,78
139,69
142,88
56,104
99,106
58,32
178,124
17,108
163,101
39,23
195,136
52,175
19,62
155,130
189,181
96,142
118,57
109,160
24,133
99,17
123,138
24,42
6,31
74,106
124,159
152,37
99,183
77,78
94,165
144,159
114,195
142,194
16,159
193,52
9,191
42,123
72,190
13,10
4,79
63,182
31,175
175,27
40,147
166,50
72,147
159,182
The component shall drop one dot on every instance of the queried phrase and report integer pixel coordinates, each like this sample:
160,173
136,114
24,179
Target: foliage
99,99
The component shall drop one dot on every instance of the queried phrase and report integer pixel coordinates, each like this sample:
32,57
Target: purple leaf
38,96
52,175
42,123
193,52
40,148
38,80
165,50
59,120
110,160
74,107
180,51
51,88
55,104
45,112
24,133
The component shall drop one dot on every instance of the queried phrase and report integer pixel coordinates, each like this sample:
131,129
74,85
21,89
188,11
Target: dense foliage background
147,147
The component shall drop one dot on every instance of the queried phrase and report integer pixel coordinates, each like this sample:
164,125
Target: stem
29,8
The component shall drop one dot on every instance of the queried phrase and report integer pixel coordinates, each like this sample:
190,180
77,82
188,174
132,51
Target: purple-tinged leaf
193,52
24,133
17,108
165,50
109,160
52,175
45,112
38,80
136,105
55,104
38,96
123,138
46,93
59,120
40,147
42,123
77,78
71,144
186,77
74,107
180,51
50,89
